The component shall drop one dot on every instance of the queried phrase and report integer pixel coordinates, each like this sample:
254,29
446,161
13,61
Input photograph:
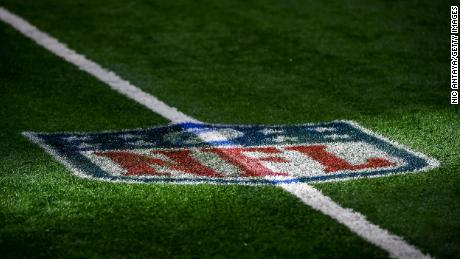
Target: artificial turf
384,64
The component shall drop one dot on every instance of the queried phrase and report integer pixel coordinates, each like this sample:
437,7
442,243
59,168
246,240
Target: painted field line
110,78
356,222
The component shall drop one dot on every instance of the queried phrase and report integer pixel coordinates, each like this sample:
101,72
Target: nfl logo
243,154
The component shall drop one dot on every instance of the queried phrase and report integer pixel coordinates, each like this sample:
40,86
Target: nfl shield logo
243,154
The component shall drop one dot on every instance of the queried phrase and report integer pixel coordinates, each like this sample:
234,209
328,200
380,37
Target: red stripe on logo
137,164
251,166
332,163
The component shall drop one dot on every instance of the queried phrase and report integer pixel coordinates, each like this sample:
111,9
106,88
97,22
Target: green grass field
384,64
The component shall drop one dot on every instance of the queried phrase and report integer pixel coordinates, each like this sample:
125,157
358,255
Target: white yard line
356,222
110,78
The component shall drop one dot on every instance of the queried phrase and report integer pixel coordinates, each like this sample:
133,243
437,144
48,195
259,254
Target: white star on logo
76,138
127,136
142,143
280,139
323,129
336,136
271,131
86,145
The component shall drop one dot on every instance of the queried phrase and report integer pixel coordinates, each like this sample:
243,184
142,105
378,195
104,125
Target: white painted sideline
110,78
356,222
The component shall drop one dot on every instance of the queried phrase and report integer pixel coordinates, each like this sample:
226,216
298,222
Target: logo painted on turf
209,153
